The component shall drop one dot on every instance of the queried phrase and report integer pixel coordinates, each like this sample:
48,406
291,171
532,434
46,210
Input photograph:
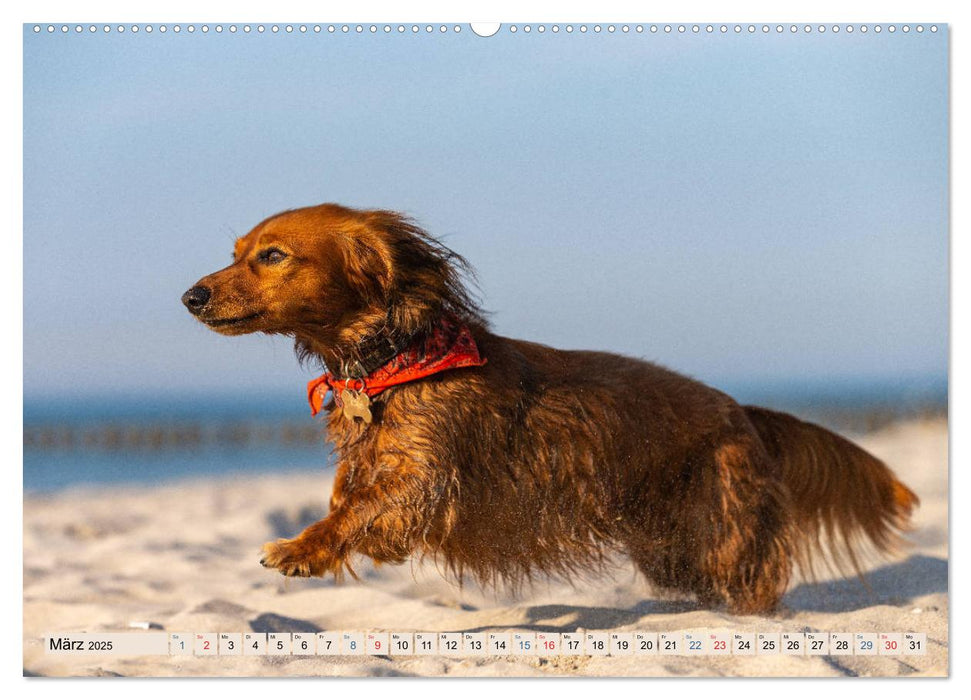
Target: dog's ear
368,265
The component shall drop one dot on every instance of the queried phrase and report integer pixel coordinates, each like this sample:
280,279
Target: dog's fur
542,461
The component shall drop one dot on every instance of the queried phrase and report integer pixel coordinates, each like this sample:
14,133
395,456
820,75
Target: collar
374,353
449,345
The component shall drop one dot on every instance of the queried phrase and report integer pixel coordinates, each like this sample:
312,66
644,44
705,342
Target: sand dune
185,558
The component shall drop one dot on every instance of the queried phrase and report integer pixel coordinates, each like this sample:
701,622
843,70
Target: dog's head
330,276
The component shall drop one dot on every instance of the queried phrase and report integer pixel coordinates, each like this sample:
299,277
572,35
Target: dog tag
356,404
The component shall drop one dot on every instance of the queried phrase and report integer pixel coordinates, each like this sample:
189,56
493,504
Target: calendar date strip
497,643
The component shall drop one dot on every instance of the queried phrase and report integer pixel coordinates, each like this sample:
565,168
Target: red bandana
449,346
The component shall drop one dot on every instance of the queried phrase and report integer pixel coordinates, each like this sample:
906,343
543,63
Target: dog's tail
840,493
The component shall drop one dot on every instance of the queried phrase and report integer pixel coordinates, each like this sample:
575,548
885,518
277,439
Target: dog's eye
271,256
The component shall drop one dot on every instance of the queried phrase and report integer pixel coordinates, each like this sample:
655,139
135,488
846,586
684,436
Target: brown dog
503,458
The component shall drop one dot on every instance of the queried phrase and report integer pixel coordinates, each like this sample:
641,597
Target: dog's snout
196,299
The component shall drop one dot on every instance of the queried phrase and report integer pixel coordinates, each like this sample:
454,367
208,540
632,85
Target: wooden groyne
138,437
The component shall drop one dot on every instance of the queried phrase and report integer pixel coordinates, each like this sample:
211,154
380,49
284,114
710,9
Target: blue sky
741,208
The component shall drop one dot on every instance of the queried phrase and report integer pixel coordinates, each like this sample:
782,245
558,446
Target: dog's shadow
569,618
895,584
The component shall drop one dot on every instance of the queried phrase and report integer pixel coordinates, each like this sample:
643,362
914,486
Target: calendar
694,642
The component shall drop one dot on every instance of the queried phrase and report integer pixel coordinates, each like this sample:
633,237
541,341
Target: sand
184,558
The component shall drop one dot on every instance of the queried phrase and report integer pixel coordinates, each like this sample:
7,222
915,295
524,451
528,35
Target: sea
147,440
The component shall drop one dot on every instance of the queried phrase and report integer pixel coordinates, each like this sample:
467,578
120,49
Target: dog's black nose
196,299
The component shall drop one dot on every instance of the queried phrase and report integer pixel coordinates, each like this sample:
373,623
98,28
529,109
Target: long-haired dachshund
504,459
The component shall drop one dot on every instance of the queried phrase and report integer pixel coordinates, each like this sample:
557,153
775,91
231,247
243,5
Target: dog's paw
291,558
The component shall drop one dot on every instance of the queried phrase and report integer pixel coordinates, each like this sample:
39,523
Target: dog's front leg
396,509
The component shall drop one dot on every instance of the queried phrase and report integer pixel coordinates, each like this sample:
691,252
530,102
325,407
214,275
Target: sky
742,208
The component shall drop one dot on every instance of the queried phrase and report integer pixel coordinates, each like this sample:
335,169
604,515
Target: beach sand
184,557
